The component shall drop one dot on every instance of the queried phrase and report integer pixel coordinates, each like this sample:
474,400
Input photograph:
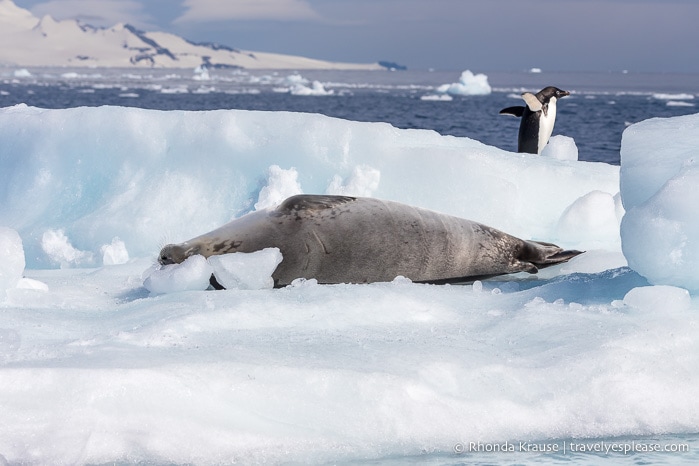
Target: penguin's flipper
532,102
517,111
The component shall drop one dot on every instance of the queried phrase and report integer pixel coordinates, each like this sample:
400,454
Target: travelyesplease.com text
570,446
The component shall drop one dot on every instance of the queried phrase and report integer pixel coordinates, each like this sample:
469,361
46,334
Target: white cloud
95,12
222,10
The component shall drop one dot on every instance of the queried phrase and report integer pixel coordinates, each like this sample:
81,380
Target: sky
481,35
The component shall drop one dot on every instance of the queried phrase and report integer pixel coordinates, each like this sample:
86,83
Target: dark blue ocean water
601,106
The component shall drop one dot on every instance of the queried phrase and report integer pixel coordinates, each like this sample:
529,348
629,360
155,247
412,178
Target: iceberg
12,263
469,84
167,372
659,179
146,176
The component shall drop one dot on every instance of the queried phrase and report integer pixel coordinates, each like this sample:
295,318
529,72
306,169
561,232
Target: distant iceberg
22,73
316,88
469,84
663,96
437,97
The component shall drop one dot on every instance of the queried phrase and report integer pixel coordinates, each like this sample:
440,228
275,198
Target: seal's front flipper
215,284
517,111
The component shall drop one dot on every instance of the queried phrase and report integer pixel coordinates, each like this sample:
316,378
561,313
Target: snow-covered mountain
26,40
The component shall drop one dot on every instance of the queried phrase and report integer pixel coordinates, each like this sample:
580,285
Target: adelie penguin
538,117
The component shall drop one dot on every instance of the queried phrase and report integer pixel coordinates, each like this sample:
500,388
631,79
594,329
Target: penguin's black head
546,93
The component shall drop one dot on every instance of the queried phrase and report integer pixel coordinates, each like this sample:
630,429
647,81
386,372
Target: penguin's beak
564,93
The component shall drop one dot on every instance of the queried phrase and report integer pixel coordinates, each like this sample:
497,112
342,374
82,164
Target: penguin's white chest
546,122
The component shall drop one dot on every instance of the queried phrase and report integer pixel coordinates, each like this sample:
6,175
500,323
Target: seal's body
538,118
340,239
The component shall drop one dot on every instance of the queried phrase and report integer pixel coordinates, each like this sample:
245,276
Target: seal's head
174,254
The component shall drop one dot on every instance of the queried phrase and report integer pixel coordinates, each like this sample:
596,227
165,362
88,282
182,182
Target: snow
659,177
238,271
280,185
12,263
469,84
59,250
593,218
114,253
650,298
192,274
31,41
561,147
246,271
106,356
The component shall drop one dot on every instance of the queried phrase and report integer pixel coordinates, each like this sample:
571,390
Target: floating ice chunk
115,253
11,259
315,89
246,271
57,247
363,182
660,299
294,79
659,179
192,274
281,184
201,73
22,73
174,90
661,96
437,97
469,84
561,148
204,90
679,103
591,218
535,70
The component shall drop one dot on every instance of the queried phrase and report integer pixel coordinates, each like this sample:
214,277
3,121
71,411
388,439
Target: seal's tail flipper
517,111
560,257
539,255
